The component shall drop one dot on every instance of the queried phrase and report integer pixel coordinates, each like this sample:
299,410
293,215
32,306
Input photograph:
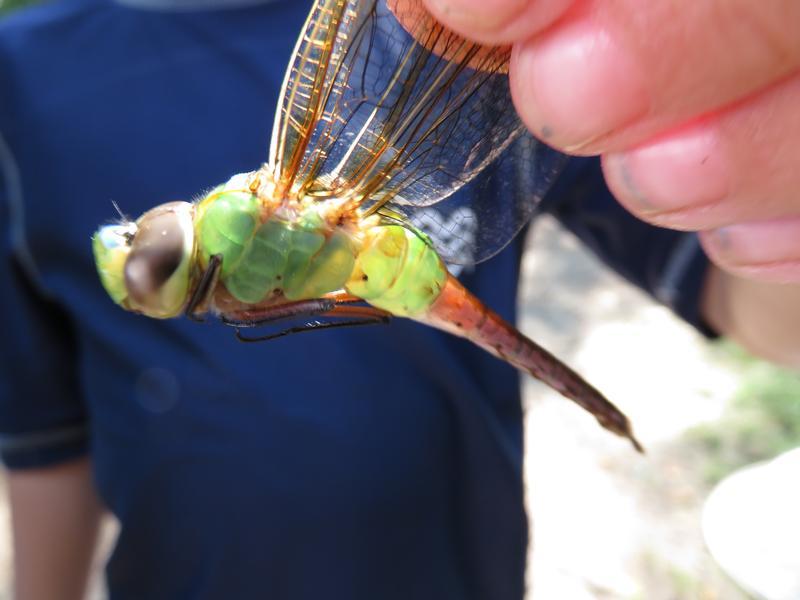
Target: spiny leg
203,291
315,326
281,312
265,315
337,305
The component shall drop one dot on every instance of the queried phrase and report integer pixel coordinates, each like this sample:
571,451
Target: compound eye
111,245
157,251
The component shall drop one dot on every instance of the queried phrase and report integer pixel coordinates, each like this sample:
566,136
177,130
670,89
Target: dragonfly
383,113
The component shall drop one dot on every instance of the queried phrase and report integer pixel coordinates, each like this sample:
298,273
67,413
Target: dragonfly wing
483,217
374,113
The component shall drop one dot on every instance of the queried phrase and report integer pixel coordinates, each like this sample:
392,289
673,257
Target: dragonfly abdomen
397,270
457,311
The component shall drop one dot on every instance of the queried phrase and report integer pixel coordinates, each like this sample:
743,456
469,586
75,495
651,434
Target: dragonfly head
146,265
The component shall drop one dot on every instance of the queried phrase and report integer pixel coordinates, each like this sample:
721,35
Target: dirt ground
607,523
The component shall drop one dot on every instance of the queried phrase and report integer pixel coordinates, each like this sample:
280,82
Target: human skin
692,105
55,520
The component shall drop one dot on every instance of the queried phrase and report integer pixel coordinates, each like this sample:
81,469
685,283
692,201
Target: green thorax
297,253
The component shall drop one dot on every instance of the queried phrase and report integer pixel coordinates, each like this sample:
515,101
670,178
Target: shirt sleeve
42,418
669,265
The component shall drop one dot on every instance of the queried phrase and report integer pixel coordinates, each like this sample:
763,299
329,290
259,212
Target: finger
737,166
767,250
418,22
497,21
612,73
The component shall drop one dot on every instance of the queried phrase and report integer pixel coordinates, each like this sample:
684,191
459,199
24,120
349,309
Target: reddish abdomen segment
458,312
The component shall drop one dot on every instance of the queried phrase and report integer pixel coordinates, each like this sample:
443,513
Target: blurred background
606,522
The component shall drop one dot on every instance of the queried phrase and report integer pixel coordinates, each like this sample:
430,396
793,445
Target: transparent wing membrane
377,113
479,221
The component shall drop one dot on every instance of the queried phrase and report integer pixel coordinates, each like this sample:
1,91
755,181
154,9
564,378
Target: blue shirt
380,462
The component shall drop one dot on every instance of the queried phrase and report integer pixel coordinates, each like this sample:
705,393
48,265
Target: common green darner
376,121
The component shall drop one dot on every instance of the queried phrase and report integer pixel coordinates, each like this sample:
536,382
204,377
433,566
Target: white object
751,524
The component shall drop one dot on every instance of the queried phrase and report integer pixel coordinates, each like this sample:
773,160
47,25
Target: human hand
694,106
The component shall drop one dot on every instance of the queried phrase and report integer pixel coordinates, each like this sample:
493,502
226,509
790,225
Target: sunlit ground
608,523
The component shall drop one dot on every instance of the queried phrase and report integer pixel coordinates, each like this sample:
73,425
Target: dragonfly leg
313,326
336,306
280,312
202,293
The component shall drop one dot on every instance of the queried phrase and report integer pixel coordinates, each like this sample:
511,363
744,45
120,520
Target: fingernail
686,171
760,243
579,83
719,241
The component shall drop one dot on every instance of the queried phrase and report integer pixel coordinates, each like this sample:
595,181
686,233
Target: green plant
762,421
7,6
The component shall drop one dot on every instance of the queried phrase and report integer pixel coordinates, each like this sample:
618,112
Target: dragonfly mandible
376,121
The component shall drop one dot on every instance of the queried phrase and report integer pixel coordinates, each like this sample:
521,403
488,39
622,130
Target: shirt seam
16,213
25,442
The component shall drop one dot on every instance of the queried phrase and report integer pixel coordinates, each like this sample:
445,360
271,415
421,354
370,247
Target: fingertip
764,250
674,180
579,83
498,21
621,183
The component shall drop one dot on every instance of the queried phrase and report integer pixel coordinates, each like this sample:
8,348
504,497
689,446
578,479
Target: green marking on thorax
301,258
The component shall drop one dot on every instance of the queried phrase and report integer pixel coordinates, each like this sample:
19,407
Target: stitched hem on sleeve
44,448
